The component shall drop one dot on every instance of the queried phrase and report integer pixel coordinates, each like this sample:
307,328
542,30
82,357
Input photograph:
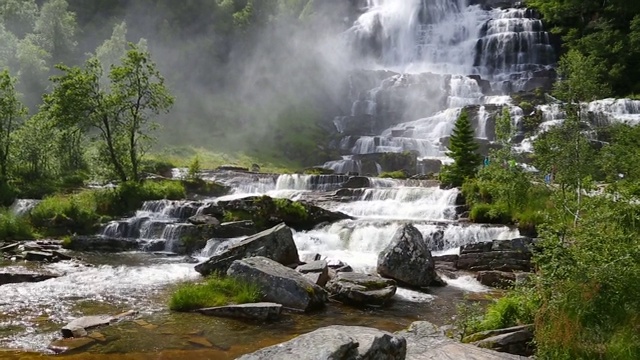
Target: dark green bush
216,291
490,214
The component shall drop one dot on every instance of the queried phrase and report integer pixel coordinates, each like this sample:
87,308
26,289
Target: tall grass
215,291
13,227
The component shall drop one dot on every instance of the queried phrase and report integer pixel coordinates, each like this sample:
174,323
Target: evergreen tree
463,150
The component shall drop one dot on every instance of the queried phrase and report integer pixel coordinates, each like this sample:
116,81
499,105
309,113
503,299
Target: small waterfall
464,91
310,182
22,207
344,166
483,116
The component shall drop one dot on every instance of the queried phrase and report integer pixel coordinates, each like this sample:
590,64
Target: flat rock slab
79,327
257,311
336,343
11,278
426,341
38,256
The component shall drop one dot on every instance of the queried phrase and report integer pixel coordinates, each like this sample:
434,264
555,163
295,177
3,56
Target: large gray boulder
407,259
79,327
275,243
361,289
256,311
316,271
337,343
426,341
500,255
279,283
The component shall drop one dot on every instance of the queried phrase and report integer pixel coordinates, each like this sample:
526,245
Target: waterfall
22,207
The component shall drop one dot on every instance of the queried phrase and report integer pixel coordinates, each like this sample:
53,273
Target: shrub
394,175
13,227
193,172
490,214
291,208
60,214
215,291
158,167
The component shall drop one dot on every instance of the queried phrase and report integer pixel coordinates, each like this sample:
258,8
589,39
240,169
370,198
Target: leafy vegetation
215,291
394,175
13,227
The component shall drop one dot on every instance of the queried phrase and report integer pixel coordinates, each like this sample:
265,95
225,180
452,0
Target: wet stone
79,327
257,311
39,256
64,345
12,278
199,341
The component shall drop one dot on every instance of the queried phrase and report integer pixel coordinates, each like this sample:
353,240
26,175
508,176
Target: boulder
361,289
276,244
12,278
204,220
490,333
516,342
101,244
10,248
39,256
256,311
499,279
337,343
426,341
234,229
407,259
356,182
279,283
79,327
316,271
232,168
212,209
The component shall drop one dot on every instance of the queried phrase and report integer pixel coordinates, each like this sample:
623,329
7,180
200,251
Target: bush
215,291
490,214
291,208
13,227
158,167
394,175
63,214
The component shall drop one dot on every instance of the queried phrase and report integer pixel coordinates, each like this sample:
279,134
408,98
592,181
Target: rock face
498,279
276,244
204,220
279,283
501,255
426,341
361,289
517,341
356,182
257,311
235,229
337,343
407,259
101,244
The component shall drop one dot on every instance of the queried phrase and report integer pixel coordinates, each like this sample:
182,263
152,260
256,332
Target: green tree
122,114
463,150
55,31
12,114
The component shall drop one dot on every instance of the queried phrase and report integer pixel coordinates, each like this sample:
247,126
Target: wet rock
12,278
446,258
78,327
356,182
257,311
39,256
407,259
234,229
11,248
516,342
317,272
266,212
310,258
490,333
361,289
200,341
430,166
101,244
61,256
232,168
499,279
337,343
65,345
204,220
202,189
279,283
426,341
276,244
501,255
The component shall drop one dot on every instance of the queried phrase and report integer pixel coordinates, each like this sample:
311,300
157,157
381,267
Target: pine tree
463,150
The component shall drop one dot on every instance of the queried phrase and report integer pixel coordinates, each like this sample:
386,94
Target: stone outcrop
204,220
501,255
337,343
361,289
234,229
426,341
100,244
256,311
316,271
276,244
407,259
266,212
78,327
517,341
278,283
499,279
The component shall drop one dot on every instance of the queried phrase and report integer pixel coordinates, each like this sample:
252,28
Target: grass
13,227
208,159
394,174
291,208
215,291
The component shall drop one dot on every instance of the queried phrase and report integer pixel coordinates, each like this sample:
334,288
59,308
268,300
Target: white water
22,207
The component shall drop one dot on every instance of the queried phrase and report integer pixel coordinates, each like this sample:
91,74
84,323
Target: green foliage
291,208
193,172
490,214
159,167
579,78
394,175
516,308
12,113
13,227
216,291
463,149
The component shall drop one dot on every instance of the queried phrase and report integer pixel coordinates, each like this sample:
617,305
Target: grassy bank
215,291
